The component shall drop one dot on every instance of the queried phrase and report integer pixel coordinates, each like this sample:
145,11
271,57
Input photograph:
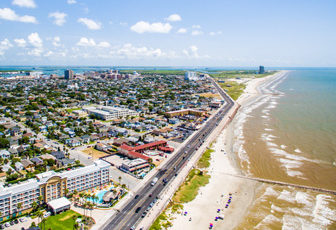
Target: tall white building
51,185
190,76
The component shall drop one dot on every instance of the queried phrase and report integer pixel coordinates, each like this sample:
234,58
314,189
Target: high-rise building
68,74
190,76
261,69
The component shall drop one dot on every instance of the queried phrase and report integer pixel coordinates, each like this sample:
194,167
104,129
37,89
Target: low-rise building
135,165
109,112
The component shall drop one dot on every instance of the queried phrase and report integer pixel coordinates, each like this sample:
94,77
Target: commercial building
135,165
183,112
109,112
50,185
68,74
261,69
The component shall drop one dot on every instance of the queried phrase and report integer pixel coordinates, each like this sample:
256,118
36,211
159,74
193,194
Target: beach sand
203,209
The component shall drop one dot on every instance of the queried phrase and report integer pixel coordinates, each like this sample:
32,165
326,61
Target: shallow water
289,135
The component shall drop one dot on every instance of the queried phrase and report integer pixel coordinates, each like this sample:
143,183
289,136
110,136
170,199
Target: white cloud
24,3
156,27
123,23
182,31
196,32
4,45
49,53
10,15
192,52
89,42
20,42
92,25
174,18
196,26
103,44
35,40
35,52
130,51
71,2
59,18
83,41
215,33
56,41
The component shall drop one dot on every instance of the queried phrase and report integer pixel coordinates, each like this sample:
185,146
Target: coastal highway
132,212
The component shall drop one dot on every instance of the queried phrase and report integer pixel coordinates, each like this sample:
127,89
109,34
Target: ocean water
289,134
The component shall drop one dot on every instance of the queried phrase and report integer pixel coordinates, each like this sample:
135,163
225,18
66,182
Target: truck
154,181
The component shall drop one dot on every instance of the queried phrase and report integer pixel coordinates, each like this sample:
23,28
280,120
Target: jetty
275,182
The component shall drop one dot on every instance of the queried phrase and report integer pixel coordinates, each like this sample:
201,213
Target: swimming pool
100,195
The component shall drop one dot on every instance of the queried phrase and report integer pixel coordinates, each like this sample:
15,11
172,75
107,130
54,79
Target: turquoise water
100,195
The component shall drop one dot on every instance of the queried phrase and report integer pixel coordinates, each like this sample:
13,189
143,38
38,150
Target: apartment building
51,185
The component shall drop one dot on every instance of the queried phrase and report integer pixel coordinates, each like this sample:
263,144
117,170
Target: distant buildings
68,74
261,69
109,112
190,76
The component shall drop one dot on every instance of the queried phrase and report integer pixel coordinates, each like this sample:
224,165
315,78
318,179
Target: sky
215,33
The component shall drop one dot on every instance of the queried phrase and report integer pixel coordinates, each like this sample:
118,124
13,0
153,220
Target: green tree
4,143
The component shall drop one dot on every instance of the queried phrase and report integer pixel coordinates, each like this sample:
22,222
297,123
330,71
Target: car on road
144,214
7,224
138,209
136,196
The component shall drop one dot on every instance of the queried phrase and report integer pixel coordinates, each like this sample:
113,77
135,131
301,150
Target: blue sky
168,33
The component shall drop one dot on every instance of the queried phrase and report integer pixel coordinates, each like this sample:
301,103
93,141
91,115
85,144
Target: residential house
85,139
73,142
36,161
15,131
19,166
4,154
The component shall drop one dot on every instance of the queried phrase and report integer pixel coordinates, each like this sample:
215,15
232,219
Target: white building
134,165
109,112
50,186
190,76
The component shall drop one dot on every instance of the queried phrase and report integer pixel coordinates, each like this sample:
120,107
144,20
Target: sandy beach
215,195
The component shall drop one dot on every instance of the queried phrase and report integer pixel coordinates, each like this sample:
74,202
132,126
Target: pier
275,182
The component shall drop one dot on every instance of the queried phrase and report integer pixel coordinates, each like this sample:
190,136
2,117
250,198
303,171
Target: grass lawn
73,109
189,189
233,88
204,161
64,221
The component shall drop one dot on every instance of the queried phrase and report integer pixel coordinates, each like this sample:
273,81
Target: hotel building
50,186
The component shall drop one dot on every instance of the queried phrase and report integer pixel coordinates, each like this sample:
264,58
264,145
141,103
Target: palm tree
119,178
81,196
43,223
97,199
19,206
40,215
40,200
76,225
34,205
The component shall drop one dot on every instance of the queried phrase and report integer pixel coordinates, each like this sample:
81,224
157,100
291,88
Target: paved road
127,217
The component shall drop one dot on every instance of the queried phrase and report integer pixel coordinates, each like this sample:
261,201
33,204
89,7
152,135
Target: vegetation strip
187,192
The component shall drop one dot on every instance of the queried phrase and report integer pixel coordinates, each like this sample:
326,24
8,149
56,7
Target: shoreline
224,164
